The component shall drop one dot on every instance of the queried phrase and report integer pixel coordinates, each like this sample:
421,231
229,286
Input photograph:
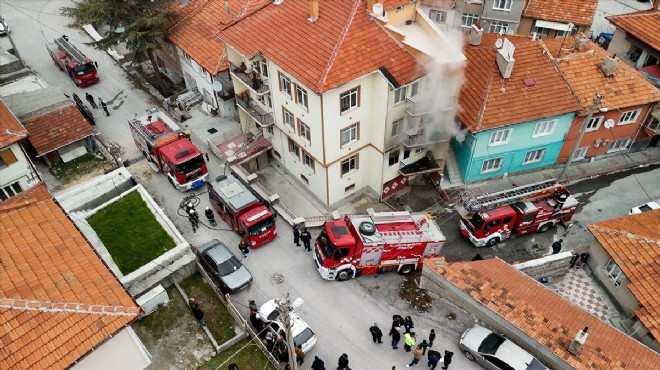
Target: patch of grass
131,233
417,297
216,316
166,317
245,354
81,165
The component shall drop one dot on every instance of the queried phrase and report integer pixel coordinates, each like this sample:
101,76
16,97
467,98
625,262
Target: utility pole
583,129
285,309
16,53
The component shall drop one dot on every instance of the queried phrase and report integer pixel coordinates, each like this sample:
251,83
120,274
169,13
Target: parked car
4,28
494,352
650,206
225,269
303,335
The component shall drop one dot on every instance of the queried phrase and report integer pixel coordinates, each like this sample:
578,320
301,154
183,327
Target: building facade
636,39
550,18
17,173
494,16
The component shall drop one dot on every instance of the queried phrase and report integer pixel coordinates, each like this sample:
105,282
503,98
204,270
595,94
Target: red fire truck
243,210
490,218
169,150
72,61
379,241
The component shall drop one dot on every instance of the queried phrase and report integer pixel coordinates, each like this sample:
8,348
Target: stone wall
554,265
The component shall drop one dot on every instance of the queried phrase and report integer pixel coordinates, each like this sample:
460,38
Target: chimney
609,66
576,345
476,32
579,42
370,5
656,4
313,10
504,58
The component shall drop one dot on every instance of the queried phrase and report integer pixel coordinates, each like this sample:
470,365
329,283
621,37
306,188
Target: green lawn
245,354
131,233
216,316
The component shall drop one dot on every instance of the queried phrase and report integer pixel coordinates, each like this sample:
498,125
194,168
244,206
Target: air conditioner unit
597,142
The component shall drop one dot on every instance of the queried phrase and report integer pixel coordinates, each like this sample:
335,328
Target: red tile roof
344,43
47,262
56,129
488,101
627,88
195,31
579,12
633,242
11,130
644,25
544,316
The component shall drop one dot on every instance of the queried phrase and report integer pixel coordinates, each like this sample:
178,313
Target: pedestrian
296,235
318,364
556,246
434,357
199,314
477,257
252,305
417,355
104,105
396,337
408,341
408,324
243,246
300,355
343,362
446,359
397,320
287,366
306,238
76,98
255,320
91,100
376,333
560,197
431,337
425,346
282,354
193,217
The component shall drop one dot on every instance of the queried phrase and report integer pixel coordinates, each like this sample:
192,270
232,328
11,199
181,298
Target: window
438,16
7,157
580,153
294,148
349,165
540,31
469,19
497,27
534,156
491,165
396,127
304,179
303,131
544,128
349,134
499,137
308,160
614,272
393,158
634,53
399,95
406,154
288,118
414,88
619,145
502,4
419,150
629,117
265,100
653,123
350,187
594,123
349,99
10,190
260,66
285,85
301,96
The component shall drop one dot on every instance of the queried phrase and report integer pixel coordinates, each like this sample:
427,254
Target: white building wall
619,45
449,19
20,171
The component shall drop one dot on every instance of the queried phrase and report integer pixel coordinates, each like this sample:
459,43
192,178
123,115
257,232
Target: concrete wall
20,171
449,19
510,17
96,191
554,265
619,45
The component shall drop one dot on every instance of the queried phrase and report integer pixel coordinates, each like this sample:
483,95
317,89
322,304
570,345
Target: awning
553,25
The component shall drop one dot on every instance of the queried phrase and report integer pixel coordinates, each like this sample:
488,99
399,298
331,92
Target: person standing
306,238
91,100
252,305
193,217
376,333
396,337
318,364
408,324
300,355
434,358
243,246
446,360
104,105
342,364
296,235
556,246
417,355
397,320
408,341
425,346
431,337
199,314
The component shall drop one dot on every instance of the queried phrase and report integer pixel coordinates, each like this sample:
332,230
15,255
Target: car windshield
491,343
326,245
273,315
83,69
303,337
261,226
536,365
229,266
477,221
190,165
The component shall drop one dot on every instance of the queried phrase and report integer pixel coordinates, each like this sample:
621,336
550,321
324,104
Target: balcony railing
253,80
263,118
418,107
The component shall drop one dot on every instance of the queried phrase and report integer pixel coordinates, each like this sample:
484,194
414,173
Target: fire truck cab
69,59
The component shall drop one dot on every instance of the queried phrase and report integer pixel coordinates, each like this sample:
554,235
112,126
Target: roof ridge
485,95
188,16
335,51
628,234
87,308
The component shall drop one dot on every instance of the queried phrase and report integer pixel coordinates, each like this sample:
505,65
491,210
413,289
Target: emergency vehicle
169,150
243,210
490,218
377,242
72,61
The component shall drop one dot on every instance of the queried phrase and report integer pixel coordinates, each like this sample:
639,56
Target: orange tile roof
56,129
633,242
644,25
544,316
444,4
195,31
627,88
344,43
46,261
579,12
9,122
389,4
487,101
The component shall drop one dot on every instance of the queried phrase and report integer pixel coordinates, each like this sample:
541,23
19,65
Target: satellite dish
378,9
297,303
217,86
609,123
499,43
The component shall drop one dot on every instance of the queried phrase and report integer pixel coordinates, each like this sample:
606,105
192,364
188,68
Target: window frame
414,89
396,126
355,127
634,112
531,159
433,16
620,148
504,5
284,80
308,160
394,160
301,94
348,95
397,95
598,120
294,148
582,150
468,16
293,119
304,131
7,157
543,124
501,27
355,158
492,142
616,277
493,169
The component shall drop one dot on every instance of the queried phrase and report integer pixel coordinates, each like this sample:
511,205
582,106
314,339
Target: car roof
508,351
216,250
298,325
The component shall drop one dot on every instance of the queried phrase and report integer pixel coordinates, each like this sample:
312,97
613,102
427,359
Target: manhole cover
451,316
212,130
278,278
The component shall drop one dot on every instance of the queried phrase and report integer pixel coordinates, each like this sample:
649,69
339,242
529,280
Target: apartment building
494,16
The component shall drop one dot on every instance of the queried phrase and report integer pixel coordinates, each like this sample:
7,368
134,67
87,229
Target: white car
494,352
650,206
4,28
303,335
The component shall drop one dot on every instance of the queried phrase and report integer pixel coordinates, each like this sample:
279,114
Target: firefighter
194,219
306,237
560,196
104,105
91,100
209,216
243,246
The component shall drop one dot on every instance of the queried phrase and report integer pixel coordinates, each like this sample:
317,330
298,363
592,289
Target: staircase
453,178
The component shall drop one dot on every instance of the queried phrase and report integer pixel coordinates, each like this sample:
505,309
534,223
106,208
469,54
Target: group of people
301,233
90,98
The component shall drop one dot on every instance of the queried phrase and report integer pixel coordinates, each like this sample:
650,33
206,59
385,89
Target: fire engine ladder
468,203
71,50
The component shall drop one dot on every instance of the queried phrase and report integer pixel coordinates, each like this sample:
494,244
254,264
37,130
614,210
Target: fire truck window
494,223
528,217
507,220
341,253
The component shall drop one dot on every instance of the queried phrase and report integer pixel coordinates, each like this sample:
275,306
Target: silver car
494,352
303,335
225,269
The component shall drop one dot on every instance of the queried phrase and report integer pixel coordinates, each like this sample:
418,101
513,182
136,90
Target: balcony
260,85
420,107
422,139
263,118
424,165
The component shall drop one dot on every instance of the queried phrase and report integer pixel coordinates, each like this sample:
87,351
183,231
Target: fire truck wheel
545,227
367,228
407,269
493,242
344,275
